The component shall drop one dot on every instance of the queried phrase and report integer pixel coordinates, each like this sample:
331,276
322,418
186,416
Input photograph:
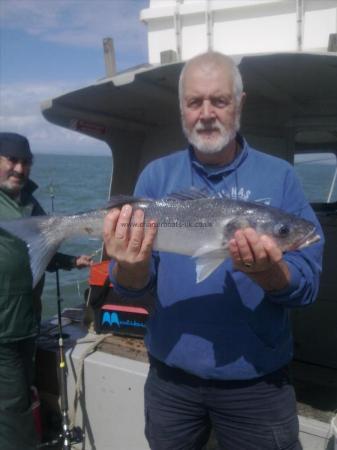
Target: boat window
317,173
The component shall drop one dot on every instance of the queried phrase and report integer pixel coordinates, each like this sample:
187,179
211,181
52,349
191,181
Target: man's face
14,173
210,114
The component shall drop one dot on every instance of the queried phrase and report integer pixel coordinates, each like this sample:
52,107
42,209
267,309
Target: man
19,303
219,349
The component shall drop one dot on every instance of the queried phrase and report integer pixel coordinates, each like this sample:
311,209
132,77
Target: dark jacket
20,305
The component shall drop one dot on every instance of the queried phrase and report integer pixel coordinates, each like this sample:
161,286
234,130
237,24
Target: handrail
332,187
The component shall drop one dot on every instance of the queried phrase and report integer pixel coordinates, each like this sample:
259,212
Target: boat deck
316,386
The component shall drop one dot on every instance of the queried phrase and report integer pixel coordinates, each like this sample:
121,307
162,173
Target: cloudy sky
48,47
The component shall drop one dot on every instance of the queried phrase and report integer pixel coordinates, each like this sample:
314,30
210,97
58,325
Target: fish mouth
311,238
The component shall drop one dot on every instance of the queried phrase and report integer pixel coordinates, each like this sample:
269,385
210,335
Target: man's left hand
260,258
252,252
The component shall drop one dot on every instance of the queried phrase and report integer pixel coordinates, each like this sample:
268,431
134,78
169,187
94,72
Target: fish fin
205,265
263,201
237,223
207,260
119,200
40,237
190,194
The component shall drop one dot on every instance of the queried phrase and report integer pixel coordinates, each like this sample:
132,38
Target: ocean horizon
68,184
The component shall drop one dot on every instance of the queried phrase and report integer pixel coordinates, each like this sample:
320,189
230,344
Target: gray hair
213,59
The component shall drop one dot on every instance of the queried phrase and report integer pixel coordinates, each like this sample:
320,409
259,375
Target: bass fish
188,224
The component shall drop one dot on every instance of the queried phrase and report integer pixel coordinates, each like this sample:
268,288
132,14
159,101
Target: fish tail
41,237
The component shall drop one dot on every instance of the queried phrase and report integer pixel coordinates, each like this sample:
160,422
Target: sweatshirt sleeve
305,265
61,261
133,293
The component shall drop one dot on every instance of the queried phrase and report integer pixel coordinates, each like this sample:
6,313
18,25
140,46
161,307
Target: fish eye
282,230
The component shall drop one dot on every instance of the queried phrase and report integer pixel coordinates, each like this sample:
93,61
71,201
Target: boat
290,112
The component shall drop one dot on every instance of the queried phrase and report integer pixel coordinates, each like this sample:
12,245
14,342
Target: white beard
215,144
12,189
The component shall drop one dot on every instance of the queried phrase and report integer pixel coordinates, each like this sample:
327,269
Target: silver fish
188,224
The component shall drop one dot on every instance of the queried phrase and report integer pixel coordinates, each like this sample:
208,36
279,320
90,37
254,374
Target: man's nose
19,167
207,111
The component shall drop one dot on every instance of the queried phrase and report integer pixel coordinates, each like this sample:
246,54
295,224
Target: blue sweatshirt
227,327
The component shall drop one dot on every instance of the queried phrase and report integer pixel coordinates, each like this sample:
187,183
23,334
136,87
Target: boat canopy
137,112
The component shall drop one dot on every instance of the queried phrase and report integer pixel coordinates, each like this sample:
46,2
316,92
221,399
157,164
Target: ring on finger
248,264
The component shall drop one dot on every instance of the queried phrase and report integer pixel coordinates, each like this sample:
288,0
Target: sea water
70,184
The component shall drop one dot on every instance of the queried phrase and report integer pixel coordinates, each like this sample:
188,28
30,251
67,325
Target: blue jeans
181,410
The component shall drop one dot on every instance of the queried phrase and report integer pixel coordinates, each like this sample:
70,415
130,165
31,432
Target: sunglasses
14,160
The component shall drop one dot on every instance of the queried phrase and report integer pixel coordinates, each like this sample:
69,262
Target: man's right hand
129,242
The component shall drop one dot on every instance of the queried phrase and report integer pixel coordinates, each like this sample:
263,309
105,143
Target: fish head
288,231
293,233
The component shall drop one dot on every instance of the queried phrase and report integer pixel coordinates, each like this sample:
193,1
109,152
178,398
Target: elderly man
218,349
20,305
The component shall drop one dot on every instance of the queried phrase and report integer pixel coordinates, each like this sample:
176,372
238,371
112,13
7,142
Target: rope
332,433
79,381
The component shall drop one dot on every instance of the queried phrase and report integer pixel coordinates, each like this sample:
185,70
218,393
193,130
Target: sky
49,47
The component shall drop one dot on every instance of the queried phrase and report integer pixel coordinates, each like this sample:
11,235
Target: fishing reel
66,439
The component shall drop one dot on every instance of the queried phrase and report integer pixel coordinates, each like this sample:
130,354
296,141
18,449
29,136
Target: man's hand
260,258
129,242
83,261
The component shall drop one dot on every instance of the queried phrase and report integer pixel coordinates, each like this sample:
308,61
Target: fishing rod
68,435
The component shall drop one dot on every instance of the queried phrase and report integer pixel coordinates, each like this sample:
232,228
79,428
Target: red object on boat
98,273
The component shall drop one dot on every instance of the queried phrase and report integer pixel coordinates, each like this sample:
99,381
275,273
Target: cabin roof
303,84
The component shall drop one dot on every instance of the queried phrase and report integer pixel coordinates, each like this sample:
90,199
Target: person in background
219,350
20,304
